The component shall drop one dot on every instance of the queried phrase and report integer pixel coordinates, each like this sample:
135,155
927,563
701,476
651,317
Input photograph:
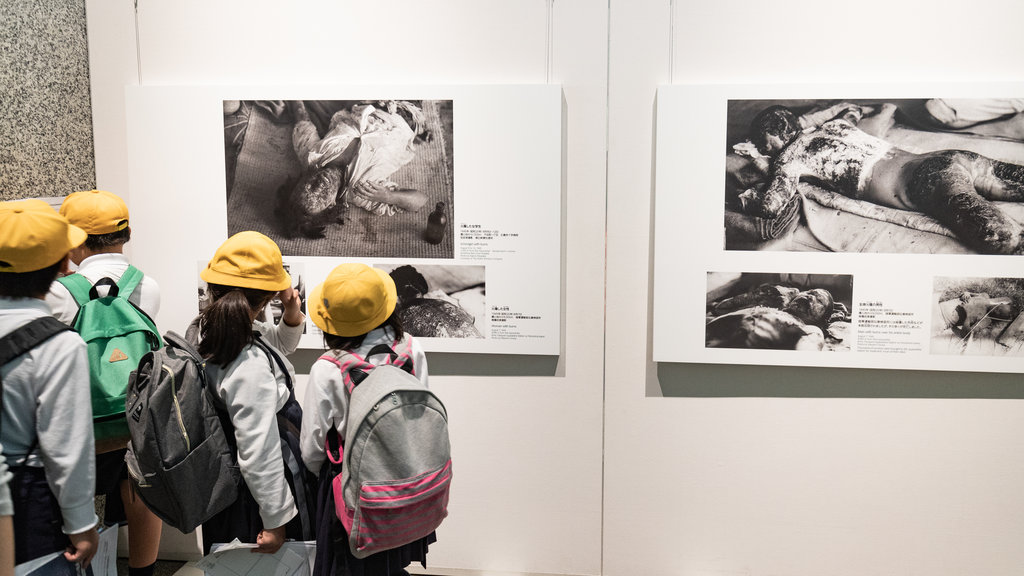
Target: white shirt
47,405
253,391
97,267
325,403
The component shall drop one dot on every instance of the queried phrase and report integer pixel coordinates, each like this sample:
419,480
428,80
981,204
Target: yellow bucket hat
33,236
95,211
353,300
248,260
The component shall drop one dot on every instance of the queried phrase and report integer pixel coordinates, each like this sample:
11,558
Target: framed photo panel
870,226
456,191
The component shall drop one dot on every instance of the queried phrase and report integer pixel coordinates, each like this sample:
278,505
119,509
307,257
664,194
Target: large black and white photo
352,178
935,175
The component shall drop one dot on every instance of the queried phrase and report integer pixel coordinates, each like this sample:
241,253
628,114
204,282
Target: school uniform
96,267
325,406
110,466
252,391
46,432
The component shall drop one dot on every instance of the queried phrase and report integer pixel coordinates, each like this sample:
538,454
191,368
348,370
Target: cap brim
76,236
214,277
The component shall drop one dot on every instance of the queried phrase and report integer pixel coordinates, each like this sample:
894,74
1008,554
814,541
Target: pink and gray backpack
396,463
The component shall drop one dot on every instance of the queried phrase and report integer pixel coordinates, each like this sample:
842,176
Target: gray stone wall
46,141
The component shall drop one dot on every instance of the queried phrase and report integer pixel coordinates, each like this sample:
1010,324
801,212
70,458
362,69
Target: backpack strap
356,368
130,280
82,290
24,338
274,358
28,336
79,287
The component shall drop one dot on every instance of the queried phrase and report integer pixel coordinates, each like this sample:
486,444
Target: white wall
706,470
526,495
767,471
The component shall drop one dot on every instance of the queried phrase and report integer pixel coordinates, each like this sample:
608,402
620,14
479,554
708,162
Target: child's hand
292,304
83,547
269,541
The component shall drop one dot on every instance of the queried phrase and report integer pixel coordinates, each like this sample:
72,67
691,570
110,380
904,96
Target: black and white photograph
928,175
779,311
441,301
978,316
342,178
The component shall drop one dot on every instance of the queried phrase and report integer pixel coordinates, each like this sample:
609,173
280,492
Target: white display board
907,289
503,203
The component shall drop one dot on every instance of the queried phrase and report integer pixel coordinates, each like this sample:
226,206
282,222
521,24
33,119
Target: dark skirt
333,555
37,515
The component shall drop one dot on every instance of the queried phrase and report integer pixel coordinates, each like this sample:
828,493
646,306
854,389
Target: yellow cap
95,211
33,236
248,260
353,300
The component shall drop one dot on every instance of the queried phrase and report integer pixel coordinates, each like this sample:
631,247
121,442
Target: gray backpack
178,452
397,467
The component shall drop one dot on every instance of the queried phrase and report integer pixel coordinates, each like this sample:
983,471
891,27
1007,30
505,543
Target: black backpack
182,451
178,452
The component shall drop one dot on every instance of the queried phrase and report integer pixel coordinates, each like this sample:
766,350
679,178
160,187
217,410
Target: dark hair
97,242
334,341
225,325
776,121
29,284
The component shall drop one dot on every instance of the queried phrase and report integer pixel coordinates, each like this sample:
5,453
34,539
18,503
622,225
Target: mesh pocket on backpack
394,513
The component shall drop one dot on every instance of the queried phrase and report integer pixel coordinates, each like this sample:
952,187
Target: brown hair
29,284
335,342
225,326
97,242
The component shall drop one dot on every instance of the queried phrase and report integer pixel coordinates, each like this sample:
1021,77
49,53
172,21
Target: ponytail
225,326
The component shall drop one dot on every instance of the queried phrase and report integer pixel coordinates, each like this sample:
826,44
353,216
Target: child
245,273
46,424
104,217
355,308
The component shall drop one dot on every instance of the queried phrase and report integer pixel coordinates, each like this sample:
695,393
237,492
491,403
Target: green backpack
117,334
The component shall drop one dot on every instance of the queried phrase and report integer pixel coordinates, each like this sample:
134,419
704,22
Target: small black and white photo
931,175
779,311
441,301
342,178
978,316
274,310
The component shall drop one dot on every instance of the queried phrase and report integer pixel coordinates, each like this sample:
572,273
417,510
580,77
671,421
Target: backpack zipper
177,410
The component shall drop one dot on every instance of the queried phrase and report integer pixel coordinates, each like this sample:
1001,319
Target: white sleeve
281,336
64,430
419,361
250,392
62,303
324,405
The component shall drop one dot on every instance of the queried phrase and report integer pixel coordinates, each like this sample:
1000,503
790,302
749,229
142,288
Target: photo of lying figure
932,176
340,177
440,301
778,311
978,316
